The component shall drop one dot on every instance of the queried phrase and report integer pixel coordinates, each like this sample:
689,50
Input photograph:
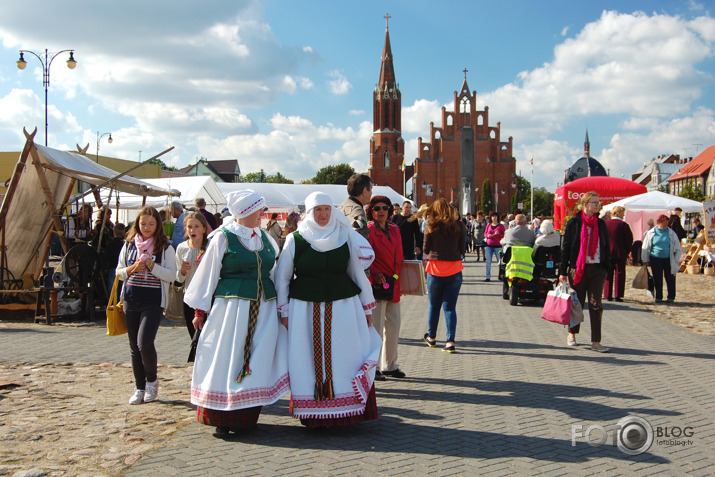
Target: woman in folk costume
327,307
241,357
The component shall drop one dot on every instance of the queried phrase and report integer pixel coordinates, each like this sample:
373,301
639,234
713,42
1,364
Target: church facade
454,161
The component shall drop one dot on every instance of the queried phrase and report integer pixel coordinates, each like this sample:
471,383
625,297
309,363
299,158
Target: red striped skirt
369,414
234,420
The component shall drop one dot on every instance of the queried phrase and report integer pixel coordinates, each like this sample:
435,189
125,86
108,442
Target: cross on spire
387,20
465,73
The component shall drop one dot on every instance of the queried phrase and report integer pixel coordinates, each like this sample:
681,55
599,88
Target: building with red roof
696,171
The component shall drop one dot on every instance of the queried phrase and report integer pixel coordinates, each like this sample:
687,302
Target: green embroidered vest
321,276
240,269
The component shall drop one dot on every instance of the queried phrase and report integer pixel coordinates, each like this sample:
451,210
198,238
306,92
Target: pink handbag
557,307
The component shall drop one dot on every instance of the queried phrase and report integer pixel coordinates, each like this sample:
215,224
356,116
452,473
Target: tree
690,191
158,162
338,174
543,202
487,204
522,194
255,177
278,178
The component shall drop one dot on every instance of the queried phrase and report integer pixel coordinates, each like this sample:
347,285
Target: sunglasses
378,208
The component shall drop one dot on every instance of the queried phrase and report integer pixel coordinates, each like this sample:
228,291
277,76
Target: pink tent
610,189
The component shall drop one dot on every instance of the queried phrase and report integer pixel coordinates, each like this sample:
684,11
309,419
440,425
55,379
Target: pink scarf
586,238
145,247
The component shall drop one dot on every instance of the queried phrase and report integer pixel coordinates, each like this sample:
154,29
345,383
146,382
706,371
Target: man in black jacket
409,231
674,223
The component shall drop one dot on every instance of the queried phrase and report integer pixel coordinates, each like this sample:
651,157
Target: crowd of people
313,307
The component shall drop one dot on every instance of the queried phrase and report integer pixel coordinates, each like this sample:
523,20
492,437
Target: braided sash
323,388
253,310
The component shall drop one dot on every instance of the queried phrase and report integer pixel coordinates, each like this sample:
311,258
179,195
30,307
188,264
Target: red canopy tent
609,189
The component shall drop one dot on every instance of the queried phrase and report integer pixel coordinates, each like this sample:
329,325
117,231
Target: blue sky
287,86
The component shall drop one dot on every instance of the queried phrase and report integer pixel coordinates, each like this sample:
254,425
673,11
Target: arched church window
450,121
437,135
386,160
480,120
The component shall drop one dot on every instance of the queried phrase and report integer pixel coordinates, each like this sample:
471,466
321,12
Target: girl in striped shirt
147,265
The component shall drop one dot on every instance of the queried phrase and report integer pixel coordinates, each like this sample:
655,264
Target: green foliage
278,178
254,177
543,202
162,164
487,203
261,176
690,191
338,174
522,194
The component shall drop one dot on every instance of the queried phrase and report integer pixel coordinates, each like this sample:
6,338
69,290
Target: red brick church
459,155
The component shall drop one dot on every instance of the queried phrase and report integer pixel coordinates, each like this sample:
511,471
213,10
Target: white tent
640,208
41,184
286,198
292,196
189,187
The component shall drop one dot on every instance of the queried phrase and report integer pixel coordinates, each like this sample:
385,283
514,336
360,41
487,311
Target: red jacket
388,254
620,238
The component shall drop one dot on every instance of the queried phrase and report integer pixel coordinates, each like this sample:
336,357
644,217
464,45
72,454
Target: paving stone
504,404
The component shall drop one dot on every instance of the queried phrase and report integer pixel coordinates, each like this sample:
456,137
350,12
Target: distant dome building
586,166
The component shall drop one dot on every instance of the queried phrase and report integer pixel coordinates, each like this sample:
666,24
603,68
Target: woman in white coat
241,362
327,307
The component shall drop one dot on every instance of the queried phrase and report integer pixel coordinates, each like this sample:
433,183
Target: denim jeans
443,292
491,251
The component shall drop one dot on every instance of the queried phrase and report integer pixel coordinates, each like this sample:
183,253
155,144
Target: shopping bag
576,309
175,303
557,307
116,324
640,281
193,345
412,278
651,285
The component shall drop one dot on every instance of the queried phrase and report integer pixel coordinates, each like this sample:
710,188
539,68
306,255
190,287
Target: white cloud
416,118
339,84
631,64
564,31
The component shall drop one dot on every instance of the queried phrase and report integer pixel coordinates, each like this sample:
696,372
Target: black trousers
142,325
661,268
591,284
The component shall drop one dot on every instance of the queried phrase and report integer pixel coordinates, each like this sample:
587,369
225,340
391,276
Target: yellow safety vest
521,265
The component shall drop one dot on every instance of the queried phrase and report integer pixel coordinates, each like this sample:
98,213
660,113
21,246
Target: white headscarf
242,203
334,234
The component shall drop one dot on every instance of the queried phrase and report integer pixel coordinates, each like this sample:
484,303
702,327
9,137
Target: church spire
587,146
465,86
387,69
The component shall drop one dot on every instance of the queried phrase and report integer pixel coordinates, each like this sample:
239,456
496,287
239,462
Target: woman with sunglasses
386,241
585,261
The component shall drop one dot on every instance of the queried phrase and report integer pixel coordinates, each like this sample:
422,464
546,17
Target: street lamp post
99,138
46,63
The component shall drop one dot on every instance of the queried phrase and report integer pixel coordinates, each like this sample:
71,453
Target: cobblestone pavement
504,404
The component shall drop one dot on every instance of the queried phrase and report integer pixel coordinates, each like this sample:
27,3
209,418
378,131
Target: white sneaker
137,397
152,391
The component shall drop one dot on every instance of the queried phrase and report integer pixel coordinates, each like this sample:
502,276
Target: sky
286,86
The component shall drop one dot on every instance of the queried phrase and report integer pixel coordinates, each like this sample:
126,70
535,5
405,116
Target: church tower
387,148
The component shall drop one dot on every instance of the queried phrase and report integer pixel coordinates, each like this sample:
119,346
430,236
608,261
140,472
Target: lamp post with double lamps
46,63
99,138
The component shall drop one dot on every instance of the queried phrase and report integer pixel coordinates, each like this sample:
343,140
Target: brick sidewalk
503,404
